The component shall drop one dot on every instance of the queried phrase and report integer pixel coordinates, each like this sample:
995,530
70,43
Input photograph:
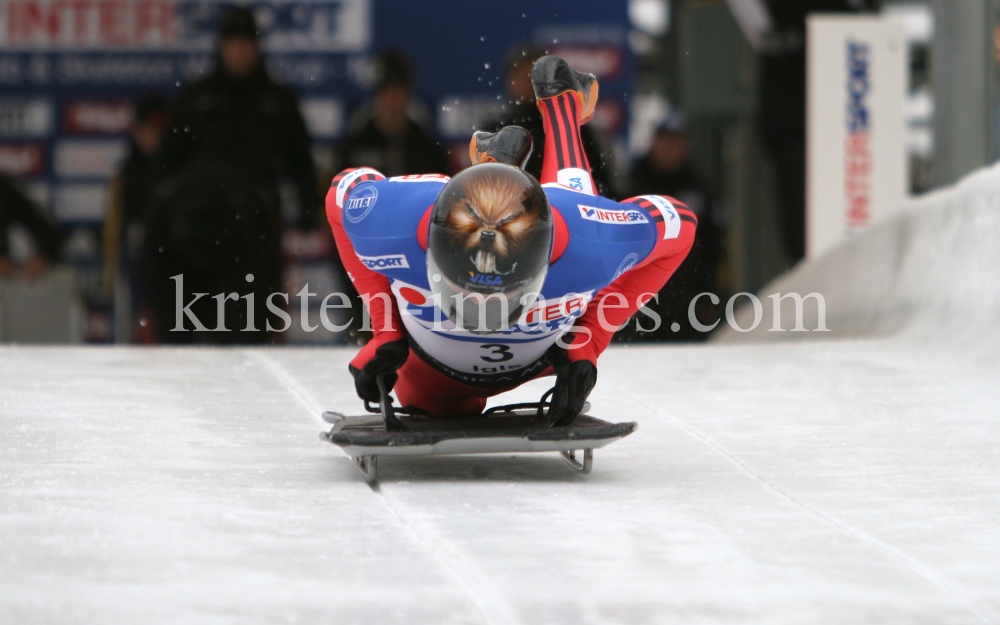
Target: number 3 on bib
500,353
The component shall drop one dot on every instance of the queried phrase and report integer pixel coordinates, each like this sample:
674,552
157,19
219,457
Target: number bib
498,359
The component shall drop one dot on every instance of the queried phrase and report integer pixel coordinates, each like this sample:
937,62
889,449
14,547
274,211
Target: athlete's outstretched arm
676,227
386,323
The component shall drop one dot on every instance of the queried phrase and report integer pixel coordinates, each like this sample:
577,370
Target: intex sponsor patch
360,203
613,216
627,263
394,261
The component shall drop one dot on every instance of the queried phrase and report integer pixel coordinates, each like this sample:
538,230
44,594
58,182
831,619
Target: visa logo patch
394,261
478,278
613,216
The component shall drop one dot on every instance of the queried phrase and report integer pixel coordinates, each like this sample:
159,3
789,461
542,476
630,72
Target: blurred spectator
666,170
239,122
521,110
390,141
238,115
129,196
211,226
16,208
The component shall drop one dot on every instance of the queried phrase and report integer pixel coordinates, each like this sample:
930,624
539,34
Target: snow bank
930,273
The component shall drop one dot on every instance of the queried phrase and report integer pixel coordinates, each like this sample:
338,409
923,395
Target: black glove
387,359
574,381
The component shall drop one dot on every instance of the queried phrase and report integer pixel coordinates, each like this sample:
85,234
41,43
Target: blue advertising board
69,70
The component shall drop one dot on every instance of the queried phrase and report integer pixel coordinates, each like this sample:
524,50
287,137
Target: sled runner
392,431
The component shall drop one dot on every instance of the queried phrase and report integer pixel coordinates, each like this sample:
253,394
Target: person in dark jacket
209,226
129,196
390,141
239,116
666,170
521,110
18,208
240,122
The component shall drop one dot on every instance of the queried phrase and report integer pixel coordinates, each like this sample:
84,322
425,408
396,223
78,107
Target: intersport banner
69,70
162,25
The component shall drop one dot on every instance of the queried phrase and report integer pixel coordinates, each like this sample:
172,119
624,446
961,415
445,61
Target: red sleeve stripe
687,215
363,178
648,206
344,182
336,179
653,211
682,210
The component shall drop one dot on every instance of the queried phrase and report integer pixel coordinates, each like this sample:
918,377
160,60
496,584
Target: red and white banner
170,25
22,160
101,117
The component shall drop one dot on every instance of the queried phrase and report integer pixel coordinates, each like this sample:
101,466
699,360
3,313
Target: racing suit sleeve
616,303
386,323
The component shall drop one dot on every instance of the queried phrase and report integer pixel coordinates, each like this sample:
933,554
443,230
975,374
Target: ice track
829,482
813,483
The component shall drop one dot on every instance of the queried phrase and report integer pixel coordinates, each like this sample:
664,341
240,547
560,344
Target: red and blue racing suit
607,260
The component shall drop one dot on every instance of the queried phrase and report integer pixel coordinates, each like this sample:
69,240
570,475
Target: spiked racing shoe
510,145
552,76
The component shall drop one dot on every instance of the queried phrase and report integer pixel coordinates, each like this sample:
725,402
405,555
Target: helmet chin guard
489,245
478,312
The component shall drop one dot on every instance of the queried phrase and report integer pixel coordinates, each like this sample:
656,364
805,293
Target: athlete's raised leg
566,99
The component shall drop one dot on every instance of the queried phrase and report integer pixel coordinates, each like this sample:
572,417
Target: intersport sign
179,25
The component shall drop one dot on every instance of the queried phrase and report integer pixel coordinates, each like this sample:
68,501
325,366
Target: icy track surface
828,482
842,482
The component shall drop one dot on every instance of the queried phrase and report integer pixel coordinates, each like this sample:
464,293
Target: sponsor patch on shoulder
360,203
627,263
392,261
614,216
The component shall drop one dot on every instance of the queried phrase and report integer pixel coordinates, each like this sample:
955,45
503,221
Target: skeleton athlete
480,283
